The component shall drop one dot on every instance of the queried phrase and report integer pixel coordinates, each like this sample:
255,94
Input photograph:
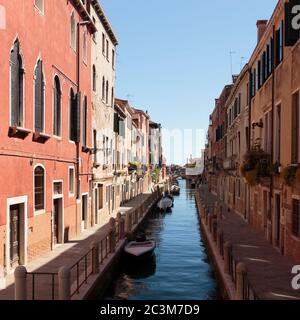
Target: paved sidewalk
269,272
63,255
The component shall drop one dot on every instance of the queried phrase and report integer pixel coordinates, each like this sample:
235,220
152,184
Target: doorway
15,236
57,218
16,239
277,237
84,209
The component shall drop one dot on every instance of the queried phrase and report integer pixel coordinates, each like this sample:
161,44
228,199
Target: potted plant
289,174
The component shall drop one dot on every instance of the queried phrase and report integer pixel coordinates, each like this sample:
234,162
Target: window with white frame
39,188
71,180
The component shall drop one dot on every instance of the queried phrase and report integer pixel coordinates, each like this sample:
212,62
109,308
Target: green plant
256,165
155,175
289,174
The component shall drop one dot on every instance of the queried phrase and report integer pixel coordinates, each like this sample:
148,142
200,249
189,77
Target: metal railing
33,278
80,272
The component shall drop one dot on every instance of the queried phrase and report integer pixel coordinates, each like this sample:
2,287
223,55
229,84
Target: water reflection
180,269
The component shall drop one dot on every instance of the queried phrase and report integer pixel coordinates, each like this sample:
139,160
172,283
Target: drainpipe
272,131
78,91
249,136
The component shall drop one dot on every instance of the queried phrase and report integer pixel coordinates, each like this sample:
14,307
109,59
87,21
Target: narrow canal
180,269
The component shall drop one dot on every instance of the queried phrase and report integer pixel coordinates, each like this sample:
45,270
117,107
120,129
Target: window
94,79
278,134
100,195
295,218
279,44
39,188
73,116
113,58
103,43
106,92
103,89
84,47
57,108
112,97
57,188
84,121
95,146
295,128
107,50
17,78
39,97
71,181
40,5
73,32
95,33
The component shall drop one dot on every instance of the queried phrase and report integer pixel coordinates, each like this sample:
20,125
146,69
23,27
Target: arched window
94,79
39,97
103,89
72,115
106,92
84,48
73,32
17,78
39,188
57,107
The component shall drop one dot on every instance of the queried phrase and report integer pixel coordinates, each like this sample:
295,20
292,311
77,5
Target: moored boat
140,249
166,203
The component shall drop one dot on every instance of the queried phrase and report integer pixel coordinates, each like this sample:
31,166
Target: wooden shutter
84,121
76,119
295,127
116,123
39,99
15,85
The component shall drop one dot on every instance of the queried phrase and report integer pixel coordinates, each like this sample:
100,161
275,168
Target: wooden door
55,220
15,235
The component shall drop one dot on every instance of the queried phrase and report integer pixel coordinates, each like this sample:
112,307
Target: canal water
180,269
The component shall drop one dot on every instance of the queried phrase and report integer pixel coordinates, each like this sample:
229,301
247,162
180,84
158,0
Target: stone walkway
63,255
269,272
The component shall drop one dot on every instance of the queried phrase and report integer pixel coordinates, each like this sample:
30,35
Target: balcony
230,163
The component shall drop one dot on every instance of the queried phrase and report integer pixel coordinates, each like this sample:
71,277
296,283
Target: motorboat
166,203
141,248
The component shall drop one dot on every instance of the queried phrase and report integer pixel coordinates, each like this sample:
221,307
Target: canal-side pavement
67,255
269,273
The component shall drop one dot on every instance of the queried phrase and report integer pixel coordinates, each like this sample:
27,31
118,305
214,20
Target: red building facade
45,160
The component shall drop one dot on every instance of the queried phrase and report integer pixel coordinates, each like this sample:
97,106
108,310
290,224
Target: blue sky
174,56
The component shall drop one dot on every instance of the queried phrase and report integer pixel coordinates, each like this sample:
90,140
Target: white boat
175,189
140,250
165,203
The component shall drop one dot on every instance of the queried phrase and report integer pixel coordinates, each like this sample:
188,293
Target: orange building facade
45,160
263,141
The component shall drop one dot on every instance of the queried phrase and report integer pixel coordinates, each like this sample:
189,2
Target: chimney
261,28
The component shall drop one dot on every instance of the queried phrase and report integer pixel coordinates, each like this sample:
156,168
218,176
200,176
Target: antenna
242,62
231,67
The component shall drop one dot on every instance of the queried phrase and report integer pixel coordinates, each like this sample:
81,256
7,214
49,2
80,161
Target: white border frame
10,202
